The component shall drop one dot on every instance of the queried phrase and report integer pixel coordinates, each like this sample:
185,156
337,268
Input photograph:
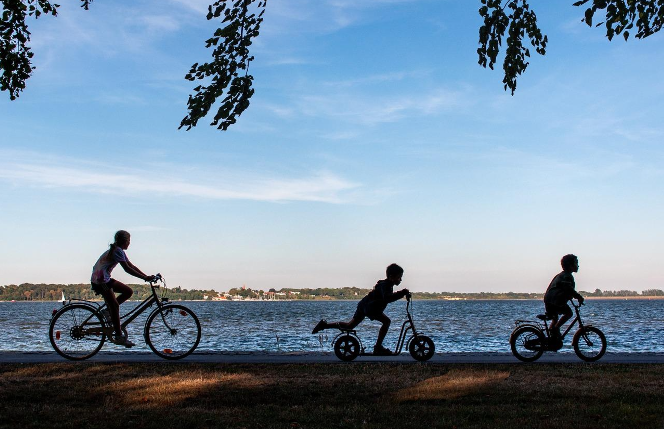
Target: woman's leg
125,291
113,309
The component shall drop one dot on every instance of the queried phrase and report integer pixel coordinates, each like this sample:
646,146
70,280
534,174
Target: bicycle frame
131,315
546,330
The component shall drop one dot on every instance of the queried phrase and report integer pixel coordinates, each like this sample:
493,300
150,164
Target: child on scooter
560,290
373,306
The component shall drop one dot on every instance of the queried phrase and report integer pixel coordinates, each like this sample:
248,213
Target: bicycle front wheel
172,331
77,332
589,343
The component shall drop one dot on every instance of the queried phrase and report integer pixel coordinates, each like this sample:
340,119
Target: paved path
328,358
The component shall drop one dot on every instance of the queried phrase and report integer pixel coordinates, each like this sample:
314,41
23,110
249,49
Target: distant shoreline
592,298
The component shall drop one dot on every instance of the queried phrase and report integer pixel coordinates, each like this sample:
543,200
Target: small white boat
63,297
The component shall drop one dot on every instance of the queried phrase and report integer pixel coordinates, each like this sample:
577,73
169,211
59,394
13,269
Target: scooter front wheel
421,348
527,343
347,348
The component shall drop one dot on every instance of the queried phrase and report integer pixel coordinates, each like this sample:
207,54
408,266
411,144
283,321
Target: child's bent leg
566,315
383,329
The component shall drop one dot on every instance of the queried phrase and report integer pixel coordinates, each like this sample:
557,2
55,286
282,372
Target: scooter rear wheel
347,348
421,348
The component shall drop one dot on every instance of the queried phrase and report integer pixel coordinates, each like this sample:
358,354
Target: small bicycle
530,339
348,346
78,330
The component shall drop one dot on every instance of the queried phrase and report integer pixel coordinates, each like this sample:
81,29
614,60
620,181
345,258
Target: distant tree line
53,292
610,293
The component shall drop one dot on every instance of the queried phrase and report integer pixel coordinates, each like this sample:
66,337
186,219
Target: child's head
394,273
570,263
122,239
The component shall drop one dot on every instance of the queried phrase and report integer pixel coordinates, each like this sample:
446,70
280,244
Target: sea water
285,326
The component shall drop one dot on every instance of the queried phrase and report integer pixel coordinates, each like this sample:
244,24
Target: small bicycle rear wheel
589,343
421,348
527,343
172,331
76,331
347,348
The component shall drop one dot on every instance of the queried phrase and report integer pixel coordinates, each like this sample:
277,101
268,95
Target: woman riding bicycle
104,285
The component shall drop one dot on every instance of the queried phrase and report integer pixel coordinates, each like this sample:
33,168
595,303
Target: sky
373,137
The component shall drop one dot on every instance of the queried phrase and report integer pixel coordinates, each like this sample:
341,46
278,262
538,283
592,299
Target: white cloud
373,109
30,169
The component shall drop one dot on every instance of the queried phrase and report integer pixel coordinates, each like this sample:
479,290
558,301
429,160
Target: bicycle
78,330
348,346
530,339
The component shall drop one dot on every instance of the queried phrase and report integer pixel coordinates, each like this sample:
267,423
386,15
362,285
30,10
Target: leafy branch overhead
227,76
519,21
229,69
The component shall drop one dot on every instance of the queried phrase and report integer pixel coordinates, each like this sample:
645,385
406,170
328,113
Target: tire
172,331
421,348
76,331
527,343
589,343
347,348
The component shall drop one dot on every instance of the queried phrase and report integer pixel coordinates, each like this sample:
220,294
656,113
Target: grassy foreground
357,395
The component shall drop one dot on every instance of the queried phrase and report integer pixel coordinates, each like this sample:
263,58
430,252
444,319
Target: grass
358,395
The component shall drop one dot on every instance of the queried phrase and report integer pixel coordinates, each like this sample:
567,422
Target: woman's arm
131,269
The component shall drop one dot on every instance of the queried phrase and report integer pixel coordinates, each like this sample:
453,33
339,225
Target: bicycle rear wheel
589,343
172,331
76,331
527,343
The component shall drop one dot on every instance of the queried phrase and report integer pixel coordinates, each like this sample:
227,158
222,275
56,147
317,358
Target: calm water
455,326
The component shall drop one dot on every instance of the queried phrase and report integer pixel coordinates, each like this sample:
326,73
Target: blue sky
373,137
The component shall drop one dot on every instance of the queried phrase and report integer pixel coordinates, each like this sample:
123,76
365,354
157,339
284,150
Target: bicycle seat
544,317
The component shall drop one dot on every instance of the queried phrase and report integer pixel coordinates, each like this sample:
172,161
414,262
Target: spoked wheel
527,343
172,331
589,343
77,332
347,348
421,348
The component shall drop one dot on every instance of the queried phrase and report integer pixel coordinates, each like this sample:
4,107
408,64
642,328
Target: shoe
123,341
320,326
381,351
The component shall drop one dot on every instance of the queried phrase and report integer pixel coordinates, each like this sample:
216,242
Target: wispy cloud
81,175
366,109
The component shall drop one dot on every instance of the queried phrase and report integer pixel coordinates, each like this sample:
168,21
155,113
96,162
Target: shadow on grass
357,395
454,384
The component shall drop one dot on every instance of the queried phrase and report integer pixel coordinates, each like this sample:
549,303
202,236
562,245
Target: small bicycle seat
544,317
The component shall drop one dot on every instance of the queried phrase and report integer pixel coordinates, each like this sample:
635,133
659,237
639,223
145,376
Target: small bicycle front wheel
589,343
527,343
172,331
347,348
421,348
76,332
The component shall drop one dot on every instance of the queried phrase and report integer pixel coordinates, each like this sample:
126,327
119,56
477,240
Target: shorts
361,312
102,288
555,310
